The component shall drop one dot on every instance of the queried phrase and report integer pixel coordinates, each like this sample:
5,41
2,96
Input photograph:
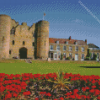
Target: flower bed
52,86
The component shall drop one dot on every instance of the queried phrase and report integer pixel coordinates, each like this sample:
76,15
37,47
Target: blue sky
66,17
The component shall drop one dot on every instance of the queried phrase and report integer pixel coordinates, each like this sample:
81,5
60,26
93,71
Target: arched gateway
23,53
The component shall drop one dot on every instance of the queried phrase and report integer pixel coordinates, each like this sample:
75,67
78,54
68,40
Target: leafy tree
88,57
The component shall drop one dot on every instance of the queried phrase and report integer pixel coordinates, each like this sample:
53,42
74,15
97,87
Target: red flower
83,96
48,94
93,86
91,91
88,97
97,92
72,96
98,97
15,95
27,93
84,89
36,98
61,98
75,91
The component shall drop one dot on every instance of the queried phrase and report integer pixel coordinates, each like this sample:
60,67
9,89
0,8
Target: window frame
51,46
64,48
76,48
70,47
57,47
83,49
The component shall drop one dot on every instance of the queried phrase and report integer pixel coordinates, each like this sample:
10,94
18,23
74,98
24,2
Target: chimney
70,38
85,40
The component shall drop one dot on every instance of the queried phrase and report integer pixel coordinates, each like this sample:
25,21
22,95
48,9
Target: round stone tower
5,26
42,39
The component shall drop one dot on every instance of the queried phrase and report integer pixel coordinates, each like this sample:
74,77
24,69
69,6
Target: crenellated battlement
13,37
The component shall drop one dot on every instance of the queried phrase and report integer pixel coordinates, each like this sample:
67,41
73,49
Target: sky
79,19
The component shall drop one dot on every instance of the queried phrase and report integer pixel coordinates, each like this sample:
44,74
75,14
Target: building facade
94,50
33,42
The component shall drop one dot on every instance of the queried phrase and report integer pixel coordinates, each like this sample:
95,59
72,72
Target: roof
62,41
91,45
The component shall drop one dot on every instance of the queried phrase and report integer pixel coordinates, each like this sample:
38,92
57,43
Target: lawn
44,67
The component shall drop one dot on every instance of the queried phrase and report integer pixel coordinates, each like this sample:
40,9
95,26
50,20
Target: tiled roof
91,45
62,41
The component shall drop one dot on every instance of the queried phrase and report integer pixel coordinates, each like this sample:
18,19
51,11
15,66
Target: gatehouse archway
23,53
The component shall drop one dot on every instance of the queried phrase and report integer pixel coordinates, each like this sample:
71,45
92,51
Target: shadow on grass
90,66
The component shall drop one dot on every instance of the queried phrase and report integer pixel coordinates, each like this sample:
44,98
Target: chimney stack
70,38
85,40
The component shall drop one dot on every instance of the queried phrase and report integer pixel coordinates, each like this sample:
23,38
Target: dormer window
66,42
57,42
75,42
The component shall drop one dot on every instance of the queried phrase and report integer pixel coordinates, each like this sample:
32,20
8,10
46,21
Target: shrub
68,58
95,57
87,58
61,56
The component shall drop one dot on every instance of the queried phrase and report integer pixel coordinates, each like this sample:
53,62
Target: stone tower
5,26
42,39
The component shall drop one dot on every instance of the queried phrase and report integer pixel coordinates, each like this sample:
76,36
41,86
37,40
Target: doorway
23,53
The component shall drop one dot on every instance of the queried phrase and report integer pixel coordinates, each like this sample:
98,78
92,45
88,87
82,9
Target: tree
88,57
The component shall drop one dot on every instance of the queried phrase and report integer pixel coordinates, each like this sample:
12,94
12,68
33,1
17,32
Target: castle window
9,51
64,48
70,48
76,48
12,31
23,42
51,47
33,44
58,47
13,42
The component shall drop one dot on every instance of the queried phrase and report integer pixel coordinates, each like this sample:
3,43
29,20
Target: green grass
44,67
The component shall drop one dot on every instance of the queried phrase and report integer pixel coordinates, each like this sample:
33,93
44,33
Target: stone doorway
23,53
